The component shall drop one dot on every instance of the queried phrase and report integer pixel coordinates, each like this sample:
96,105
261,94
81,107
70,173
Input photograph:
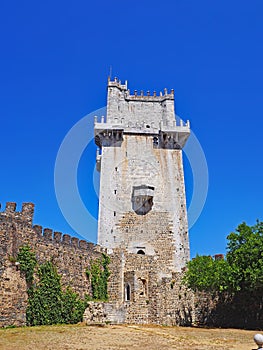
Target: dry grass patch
120,337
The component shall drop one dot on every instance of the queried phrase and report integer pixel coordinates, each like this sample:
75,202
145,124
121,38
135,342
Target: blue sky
55,59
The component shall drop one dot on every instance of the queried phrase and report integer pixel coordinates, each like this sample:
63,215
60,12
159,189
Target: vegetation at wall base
47,302
230,290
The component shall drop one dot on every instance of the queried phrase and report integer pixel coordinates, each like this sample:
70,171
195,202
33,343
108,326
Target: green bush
47,302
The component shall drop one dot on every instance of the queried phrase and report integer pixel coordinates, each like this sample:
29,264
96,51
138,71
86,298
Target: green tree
242,270
245,255
206,274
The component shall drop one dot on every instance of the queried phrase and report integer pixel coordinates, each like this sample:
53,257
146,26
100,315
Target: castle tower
142,206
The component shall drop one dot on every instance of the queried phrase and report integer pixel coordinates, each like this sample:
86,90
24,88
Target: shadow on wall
243,310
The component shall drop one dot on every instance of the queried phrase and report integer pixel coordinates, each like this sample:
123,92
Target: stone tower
142,205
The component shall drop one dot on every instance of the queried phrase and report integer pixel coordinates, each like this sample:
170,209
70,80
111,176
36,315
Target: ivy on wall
28,261
98,273
47,302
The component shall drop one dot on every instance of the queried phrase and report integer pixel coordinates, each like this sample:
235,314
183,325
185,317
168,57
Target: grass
113,337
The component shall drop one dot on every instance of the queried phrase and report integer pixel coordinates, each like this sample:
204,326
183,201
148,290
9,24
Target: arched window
140,251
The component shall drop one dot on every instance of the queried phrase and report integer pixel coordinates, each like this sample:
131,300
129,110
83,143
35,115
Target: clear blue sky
55,59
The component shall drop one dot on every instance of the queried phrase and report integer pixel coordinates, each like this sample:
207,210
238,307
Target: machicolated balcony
168,135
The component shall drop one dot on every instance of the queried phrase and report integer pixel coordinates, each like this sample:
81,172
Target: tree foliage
206,274
245,255
241,270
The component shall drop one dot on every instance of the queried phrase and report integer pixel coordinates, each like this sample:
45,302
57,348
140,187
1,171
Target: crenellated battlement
139,113
58,237
141,95
117,83
25,215
25,218
27,209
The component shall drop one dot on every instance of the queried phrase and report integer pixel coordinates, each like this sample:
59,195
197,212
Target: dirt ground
81,337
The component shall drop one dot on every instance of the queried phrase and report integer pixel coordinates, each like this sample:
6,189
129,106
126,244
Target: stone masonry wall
133,164
241,310
140,160
70,255
13,295
138,108
154,298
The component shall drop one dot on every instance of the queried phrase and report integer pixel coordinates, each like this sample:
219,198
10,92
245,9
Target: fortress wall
243,309
70,255
13,295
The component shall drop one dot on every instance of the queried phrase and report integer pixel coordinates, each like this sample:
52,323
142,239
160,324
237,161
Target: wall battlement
58,237
141,96
139,113
26,216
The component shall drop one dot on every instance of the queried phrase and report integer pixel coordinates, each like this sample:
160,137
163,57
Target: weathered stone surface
136,169
71,259
13,298
101,313
142,207
154,297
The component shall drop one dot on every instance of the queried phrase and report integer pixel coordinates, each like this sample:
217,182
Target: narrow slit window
128,292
